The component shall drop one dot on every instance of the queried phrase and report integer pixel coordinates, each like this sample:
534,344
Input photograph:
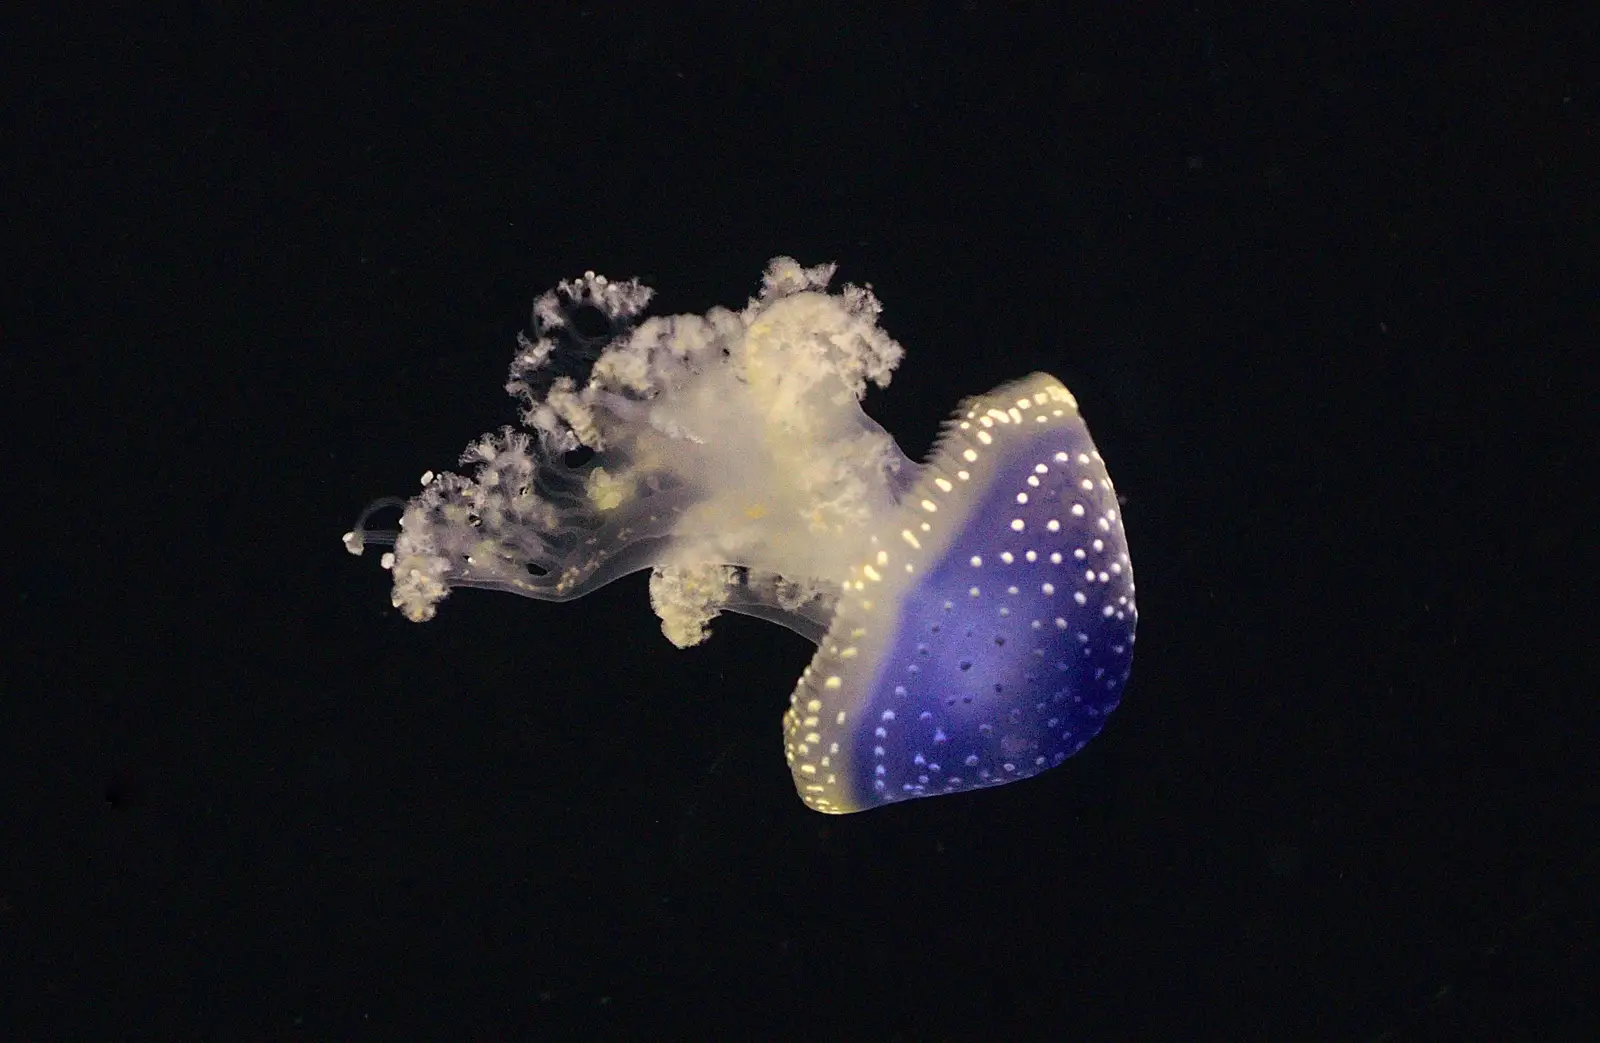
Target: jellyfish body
986,639
974,615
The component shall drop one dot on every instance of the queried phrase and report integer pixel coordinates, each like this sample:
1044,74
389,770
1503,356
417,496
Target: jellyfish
973,614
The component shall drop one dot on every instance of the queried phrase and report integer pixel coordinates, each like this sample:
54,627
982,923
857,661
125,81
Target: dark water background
1323,282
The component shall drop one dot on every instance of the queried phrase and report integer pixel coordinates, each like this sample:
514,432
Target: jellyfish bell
974,614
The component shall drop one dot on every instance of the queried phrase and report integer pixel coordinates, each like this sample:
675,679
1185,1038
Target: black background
1323,281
